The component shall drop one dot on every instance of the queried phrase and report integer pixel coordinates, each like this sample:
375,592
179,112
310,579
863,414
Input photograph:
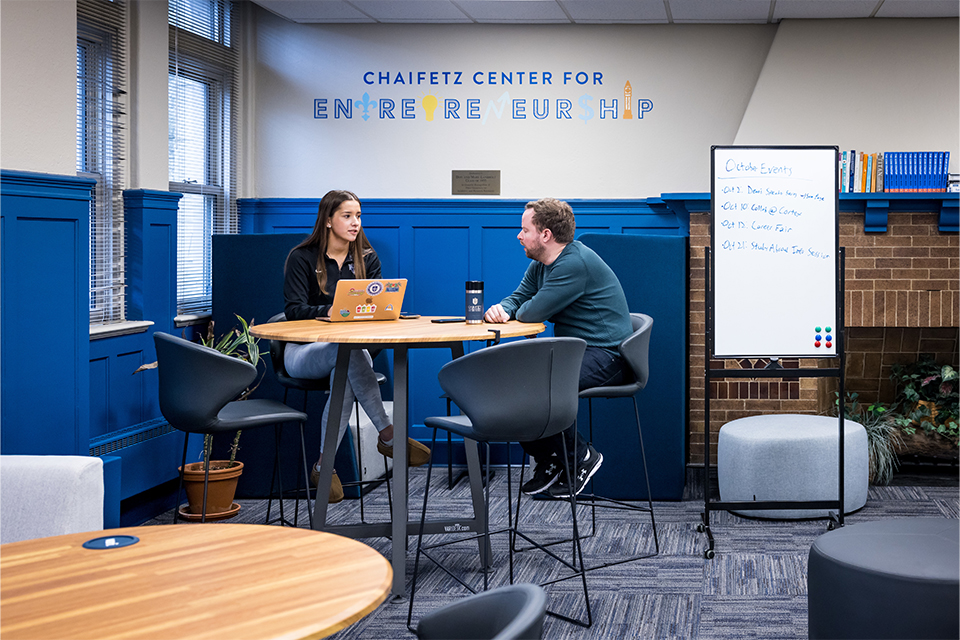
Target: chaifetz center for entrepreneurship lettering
477,95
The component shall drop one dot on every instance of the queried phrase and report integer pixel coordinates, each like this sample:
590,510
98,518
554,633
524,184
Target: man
571,286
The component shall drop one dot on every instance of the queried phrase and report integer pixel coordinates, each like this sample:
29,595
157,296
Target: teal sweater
578,293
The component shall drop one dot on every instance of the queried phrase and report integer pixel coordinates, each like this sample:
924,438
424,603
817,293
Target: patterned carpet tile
755,574
726,618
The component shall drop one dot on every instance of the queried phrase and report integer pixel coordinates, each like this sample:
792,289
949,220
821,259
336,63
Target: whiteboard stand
773,370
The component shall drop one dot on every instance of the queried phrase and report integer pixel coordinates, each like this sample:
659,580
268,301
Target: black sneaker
545,474
585,470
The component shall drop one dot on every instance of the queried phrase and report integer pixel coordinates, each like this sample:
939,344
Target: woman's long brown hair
318,238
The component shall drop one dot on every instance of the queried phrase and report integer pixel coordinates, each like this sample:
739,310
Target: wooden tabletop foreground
190,581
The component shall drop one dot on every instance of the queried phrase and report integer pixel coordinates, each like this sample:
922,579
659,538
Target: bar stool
197,390
635,350
513,392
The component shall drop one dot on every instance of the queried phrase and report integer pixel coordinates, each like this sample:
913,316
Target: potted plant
929,404
224,474
883,437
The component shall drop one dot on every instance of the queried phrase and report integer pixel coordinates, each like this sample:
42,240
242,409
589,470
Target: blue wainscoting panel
44,301
652,271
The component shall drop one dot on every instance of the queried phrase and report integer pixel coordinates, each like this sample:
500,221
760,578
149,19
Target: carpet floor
755,586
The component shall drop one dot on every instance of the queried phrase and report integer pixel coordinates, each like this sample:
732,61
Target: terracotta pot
220,489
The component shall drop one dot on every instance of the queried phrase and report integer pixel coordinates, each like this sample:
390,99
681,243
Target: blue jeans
317,360
601,367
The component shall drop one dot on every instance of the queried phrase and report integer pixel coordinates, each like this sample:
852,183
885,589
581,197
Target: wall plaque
476,183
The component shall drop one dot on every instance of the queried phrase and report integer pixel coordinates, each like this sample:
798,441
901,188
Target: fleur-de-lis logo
366,103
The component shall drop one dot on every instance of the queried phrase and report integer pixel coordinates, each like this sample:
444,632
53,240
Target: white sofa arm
44,496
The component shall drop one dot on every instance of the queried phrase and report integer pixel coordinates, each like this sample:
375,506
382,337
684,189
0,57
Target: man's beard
535,253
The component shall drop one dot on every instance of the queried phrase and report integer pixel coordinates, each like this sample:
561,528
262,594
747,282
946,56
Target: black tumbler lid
475,285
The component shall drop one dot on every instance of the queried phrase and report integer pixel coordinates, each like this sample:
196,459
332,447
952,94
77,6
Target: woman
336,249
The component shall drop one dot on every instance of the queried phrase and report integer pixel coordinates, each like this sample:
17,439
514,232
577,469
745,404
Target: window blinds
203,83
101,145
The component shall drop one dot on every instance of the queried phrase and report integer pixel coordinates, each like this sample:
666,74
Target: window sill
187,320
100,331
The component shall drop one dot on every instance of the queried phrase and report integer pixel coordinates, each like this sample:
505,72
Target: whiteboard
774,238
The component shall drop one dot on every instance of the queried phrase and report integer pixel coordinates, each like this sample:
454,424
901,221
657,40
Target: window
203,93
101,123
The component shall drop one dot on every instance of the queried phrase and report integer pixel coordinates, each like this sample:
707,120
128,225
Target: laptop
356,300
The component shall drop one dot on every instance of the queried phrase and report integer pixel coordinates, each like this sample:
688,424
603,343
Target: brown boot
336,488
417,454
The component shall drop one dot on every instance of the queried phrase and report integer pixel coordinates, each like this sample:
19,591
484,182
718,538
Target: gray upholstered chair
49,496
515,612
198,391
512,392
635,350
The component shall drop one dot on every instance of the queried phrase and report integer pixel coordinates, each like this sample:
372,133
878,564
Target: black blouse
303,299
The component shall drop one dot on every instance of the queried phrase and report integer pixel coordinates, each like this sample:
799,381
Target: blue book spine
901,170
946,170
888,171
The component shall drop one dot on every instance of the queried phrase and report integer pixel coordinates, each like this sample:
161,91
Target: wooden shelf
876,207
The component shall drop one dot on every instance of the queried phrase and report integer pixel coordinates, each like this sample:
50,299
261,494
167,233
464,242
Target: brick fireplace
901,300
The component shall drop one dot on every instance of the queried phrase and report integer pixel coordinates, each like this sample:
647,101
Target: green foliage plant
882,435
928,398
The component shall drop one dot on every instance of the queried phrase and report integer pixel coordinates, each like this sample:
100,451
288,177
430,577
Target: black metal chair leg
183,471
306,478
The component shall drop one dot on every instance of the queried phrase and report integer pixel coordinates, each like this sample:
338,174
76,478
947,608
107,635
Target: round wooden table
422,330
190,581
401,336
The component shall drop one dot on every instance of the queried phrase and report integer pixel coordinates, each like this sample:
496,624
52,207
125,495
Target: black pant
600,367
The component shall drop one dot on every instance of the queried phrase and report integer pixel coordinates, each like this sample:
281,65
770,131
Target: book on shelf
894,171
881,163
864,176
851,179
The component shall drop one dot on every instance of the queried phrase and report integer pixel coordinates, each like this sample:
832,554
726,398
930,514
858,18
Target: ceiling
600,11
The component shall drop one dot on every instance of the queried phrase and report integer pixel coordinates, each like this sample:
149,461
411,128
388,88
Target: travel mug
474,313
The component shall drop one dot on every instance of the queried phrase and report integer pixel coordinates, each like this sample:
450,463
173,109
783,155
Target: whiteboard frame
835,286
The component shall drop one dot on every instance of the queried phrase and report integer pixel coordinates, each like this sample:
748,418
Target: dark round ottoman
887,579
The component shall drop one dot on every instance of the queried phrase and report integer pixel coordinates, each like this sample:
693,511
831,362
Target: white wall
869,85
698,77
148,135
874,85
38,101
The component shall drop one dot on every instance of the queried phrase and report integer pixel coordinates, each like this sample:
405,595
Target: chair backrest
517,391
50,496
636,348
196,382
513,612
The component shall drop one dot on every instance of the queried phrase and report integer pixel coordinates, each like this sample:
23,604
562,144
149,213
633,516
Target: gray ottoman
887,579
787,457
